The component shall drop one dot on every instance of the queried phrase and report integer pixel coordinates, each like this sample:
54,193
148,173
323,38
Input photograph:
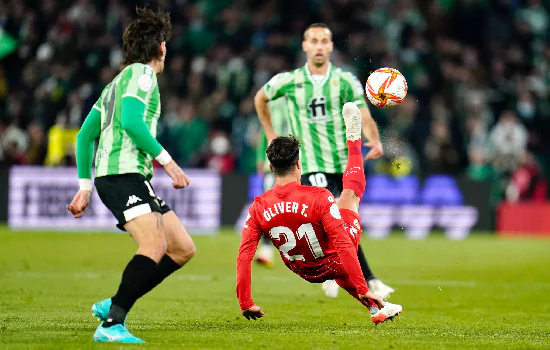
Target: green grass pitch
484,292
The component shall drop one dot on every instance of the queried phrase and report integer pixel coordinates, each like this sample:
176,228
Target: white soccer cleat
264,255
380,289
331,288
388,312
352,119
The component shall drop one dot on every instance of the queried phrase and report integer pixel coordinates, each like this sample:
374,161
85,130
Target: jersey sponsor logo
335,211
145,82
318,110
357,224
133,200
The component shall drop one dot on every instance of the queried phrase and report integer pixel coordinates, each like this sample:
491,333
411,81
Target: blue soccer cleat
101,309
115,334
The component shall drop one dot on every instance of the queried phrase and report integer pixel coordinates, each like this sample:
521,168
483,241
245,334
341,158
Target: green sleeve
85,141
354,88
261,148
134,125
278,85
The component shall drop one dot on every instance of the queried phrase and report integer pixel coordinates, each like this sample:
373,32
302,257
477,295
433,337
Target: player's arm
133,123
133,110
251,235
140,83
370,128
85,140
261,147
272,90
264,114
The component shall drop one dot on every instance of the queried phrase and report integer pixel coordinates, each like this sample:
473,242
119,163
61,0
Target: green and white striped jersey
314,109
116,152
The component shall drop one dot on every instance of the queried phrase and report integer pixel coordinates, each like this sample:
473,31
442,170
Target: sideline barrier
38,196
523,219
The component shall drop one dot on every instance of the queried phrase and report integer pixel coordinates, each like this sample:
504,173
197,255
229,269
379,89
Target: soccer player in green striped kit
315,95
125,120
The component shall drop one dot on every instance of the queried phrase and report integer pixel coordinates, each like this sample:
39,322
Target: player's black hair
283,153
317,25
142,38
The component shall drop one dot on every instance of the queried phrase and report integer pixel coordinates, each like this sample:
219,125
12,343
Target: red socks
354,176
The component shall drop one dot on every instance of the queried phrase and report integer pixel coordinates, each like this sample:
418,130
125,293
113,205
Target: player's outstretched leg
353,179
354,185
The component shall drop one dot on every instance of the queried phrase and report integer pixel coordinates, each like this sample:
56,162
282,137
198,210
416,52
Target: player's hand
80,203
178,176
253,313
374,298
376,150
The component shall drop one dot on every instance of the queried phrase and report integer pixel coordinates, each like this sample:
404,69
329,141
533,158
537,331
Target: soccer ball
386,87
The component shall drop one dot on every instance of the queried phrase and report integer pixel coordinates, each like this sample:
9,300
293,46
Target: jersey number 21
305,230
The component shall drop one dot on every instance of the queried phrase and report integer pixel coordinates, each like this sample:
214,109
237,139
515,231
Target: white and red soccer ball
386,87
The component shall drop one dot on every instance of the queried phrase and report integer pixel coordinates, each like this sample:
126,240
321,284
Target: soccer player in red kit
316,237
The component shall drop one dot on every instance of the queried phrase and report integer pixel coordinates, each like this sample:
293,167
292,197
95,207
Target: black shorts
128,196
332,182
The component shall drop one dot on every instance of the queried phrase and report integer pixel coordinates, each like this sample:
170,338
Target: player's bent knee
349,200
182,254
189,253
180,244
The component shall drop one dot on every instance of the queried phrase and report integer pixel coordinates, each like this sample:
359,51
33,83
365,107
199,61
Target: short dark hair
283,153
142,38
317,25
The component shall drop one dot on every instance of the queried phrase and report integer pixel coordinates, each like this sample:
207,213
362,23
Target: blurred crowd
478,74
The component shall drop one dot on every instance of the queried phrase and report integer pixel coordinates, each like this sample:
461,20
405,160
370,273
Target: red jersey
305,225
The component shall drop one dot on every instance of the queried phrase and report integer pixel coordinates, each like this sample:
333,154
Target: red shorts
331,268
